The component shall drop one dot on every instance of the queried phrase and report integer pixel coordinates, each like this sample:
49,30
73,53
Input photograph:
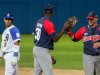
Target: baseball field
67,53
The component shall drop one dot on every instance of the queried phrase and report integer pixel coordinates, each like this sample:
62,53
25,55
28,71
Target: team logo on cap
8,14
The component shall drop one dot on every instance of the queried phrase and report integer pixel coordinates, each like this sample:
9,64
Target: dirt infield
29,71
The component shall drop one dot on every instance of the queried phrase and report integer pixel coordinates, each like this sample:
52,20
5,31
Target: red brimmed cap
92,15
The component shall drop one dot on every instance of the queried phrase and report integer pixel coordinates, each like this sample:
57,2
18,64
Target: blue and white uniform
9,37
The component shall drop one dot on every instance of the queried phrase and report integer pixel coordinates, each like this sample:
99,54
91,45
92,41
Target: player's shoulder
48,22
14,29
41,19
82,29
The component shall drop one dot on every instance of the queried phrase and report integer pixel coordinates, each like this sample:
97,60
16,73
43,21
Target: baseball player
10,45
90,36
45,36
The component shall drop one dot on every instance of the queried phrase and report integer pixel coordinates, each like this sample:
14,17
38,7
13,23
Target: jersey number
38,33
6,39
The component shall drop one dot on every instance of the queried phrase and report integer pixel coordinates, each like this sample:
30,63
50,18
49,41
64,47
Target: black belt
96,54
5,53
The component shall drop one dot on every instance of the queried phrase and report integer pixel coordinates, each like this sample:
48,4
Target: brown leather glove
72,21
53,60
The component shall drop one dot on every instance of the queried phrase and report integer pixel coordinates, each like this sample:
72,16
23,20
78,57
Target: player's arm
1,53
1,50
58,35
16,48
17,42
78,35
16,38
49,27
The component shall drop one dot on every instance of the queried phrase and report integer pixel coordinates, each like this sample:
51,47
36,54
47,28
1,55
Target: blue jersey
89,36
44,31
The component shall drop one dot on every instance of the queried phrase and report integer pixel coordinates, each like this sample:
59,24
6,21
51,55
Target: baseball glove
53,60
72,21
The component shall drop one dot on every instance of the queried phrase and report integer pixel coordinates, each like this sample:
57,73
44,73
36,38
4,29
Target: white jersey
9,37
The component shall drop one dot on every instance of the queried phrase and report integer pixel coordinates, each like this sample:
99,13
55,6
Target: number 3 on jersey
38,33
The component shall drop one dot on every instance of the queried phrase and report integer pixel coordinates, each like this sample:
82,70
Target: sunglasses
8,19
90,19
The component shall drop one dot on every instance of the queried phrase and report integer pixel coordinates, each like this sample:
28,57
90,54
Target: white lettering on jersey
94,38
17,34
38,34
38,31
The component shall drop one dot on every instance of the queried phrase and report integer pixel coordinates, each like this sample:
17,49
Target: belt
96,54
6,53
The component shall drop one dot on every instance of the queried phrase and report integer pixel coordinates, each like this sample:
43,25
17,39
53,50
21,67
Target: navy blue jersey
44,31
89,36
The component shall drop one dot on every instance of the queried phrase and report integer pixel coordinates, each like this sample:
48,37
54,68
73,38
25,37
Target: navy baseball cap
8,15
92,15
48,8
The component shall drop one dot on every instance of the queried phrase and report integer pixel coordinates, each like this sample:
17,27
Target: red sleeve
49,27
78,35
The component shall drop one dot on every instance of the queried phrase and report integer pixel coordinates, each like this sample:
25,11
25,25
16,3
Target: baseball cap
8,15
48,8
92,15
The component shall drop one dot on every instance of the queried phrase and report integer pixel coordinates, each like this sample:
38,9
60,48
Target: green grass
67,53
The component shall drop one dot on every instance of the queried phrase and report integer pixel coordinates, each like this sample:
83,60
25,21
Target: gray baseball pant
91,64
42,61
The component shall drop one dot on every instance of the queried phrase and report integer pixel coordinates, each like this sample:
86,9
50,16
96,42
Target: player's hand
96,45
66,24
14,61
1,53
53,60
